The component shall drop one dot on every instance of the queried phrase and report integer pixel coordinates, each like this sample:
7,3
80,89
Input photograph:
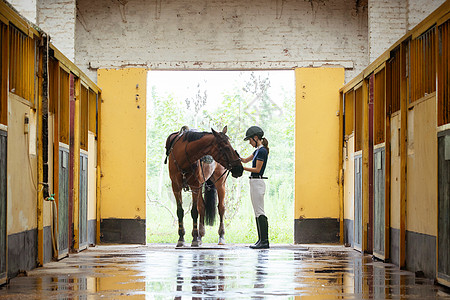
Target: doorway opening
214,99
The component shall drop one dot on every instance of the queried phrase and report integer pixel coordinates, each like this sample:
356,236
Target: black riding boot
259,232
264,232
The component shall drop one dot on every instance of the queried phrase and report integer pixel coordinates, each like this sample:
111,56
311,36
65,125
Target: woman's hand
259,164
246,160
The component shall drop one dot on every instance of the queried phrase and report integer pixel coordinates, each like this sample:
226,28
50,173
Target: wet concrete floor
220,272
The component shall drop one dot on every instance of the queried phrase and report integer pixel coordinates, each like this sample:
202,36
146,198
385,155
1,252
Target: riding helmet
252,131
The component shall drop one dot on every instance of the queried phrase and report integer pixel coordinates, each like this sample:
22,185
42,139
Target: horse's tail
210,202
169,144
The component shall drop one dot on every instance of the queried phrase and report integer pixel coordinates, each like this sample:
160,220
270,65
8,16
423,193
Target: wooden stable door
3,232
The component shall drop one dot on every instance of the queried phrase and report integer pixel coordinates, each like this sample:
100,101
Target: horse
187,152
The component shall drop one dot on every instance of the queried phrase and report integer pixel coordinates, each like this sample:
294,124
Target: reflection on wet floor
232,272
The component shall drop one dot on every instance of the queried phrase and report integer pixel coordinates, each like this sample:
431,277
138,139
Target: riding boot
259,232
264,231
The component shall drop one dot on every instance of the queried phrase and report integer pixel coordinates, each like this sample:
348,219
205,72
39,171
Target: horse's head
228,157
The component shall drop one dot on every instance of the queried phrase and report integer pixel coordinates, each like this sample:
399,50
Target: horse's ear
213,131
224,130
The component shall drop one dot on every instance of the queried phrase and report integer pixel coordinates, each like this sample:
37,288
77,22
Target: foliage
243,104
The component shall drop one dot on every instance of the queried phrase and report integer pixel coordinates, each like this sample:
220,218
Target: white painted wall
26,8
233,34
387,24
420,9
57,18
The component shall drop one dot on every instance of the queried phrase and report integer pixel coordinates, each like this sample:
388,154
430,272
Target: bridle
227,158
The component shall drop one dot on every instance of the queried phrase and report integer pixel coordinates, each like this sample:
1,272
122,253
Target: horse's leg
221,207
194,214
201,211
180,214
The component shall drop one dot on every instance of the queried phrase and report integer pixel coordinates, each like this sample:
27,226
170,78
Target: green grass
162,228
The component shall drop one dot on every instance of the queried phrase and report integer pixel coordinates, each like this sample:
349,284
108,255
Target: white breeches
257,191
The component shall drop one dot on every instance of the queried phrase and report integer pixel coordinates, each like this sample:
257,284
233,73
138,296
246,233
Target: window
21,64
53,85
393,82
358,118
349,112
3,72
93,112
64,107
84,117
379,107
423,64
443,70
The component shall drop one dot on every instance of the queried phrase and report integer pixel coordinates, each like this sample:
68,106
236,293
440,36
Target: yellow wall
123,154
317,142
92,176
349,181
21,193
422,168
395,171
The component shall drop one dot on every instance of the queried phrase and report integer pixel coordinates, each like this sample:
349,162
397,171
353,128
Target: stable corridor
220,272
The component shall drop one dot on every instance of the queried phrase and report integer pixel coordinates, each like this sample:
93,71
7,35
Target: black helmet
252,131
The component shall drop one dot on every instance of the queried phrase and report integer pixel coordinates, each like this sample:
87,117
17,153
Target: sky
183,84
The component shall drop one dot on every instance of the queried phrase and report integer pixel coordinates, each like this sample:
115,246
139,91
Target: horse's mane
189,135
192,135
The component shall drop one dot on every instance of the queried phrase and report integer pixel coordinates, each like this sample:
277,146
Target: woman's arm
246,160
259,164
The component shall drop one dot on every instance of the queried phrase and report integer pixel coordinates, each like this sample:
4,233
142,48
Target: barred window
21,64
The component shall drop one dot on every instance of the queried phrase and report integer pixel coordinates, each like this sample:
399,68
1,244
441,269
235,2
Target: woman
257,185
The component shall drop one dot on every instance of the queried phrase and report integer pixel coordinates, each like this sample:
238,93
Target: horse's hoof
180,244
195,244
221,241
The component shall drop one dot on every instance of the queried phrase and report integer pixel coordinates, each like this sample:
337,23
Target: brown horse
188,169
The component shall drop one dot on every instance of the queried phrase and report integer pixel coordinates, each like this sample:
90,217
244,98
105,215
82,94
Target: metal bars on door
63,203
379,203
83,242
443,265
358,234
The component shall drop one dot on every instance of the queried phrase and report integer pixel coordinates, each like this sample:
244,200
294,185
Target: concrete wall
316,154
387,21
123,155
230,34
